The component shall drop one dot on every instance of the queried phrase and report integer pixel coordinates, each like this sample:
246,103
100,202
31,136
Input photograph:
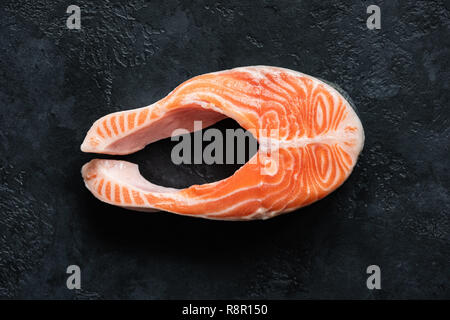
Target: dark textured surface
394,211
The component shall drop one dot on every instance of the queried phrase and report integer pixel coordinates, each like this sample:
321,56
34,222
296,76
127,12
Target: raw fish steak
309,141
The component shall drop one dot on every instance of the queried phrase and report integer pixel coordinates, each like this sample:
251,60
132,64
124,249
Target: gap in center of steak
157,165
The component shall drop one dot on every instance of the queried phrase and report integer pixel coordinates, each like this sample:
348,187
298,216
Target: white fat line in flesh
113,190
299,74
234,206
297,77
151,108
310,174
112,119
282,87
329,115
100,192
337,159
329,156
98,126
291,178
108,125
233,109
286,86
255,71
275,92
296,180
283,210
247,101
136,114
266,214
335,94
109,119
192,201
235,91
316,180
266,143
121,193
126,129
344,161
238,94
280,115
203,104
230,93
149,114
95,129
284,193
260,200
260,210
100,195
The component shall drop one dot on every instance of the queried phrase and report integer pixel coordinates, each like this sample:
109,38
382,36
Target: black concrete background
393,211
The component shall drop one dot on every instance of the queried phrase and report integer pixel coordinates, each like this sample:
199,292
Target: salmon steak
309,139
